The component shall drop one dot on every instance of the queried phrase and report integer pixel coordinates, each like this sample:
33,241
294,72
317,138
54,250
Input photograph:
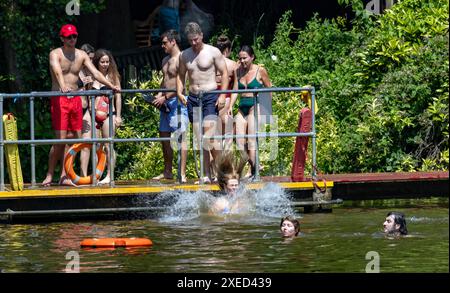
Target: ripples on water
187,239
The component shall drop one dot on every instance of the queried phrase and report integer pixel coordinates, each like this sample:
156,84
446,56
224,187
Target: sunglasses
71,37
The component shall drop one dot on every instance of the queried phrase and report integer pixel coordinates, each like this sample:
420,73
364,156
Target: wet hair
248,50
294,221
399,219
192,28
223,42
112,69
229,167
88,48
171,35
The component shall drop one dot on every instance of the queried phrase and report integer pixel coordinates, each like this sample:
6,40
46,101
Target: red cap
67,30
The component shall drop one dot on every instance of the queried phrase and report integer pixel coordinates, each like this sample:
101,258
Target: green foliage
381,85
398,82
32,28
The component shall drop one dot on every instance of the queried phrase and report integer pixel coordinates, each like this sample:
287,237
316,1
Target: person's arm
160,97
221,67
98,75
118,100
235,87
181,80
265,78
55,66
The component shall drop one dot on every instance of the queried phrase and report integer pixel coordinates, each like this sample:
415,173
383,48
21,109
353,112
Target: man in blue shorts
169,105
201,62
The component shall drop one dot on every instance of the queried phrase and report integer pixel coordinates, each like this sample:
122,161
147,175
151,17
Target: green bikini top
254,84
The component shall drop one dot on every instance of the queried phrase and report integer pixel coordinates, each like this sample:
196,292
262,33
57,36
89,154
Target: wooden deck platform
138,196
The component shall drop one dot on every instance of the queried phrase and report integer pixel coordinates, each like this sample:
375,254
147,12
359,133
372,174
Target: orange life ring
68,164
116,242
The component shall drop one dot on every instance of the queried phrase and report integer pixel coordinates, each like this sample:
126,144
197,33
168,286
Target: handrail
111,140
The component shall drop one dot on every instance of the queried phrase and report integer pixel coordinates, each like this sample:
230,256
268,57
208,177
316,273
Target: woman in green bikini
249,76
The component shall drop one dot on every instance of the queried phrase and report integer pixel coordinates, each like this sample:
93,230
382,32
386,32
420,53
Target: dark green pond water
187,240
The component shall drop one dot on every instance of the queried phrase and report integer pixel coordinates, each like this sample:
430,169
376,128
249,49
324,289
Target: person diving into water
229,173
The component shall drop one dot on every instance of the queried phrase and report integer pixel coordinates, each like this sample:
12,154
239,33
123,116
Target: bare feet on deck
162,176
47,181
205,180
66,181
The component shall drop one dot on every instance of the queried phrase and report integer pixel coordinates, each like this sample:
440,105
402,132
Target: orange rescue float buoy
70,157
116,242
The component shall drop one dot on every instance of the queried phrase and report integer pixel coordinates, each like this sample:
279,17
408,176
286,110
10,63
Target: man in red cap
67,113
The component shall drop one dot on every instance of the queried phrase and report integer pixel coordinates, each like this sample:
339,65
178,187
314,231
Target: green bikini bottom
245,104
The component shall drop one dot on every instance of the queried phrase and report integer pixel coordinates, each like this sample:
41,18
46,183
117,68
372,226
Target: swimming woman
289,227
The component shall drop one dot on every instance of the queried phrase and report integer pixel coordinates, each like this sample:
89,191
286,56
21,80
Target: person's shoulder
56,51
186,52
213,49
166,59
262,69
81,53
231,62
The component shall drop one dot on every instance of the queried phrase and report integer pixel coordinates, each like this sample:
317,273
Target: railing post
313,122
2,145
94,145
256,116
201,136
111,142
179,140
33,145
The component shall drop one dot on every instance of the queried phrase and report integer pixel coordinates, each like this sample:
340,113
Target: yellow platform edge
129,190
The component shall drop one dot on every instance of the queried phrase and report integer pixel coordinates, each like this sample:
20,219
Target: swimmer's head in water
232,186
289,226
229,171
395,223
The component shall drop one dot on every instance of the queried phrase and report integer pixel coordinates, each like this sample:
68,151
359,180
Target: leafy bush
381,84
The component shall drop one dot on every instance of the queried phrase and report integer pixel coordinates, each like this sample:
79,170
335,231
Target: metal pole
111,143
33,146
255,114
2,162
94,144
313,130
179,140
201,137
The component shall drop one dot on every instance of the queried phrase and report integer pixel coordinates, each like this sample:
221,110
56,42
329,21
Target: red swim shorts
67,113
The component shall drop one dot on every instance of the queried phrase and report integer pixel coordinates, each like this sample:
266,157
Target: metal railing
111,140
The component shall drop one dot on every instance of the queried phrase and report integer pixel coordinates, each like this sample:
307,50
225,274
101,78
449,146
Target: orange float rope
70,157
116,242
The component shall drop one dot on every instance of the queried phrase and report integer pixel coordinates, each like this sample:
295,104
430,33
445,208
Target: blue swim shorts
168,121
209,108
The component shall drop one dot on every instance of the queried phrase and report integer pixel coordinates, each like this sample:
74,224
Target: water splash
273,201
269,202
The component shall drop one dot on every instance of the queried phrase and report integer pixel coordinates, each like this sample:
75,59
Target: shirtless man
226,114
67,113
201,62
168,102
